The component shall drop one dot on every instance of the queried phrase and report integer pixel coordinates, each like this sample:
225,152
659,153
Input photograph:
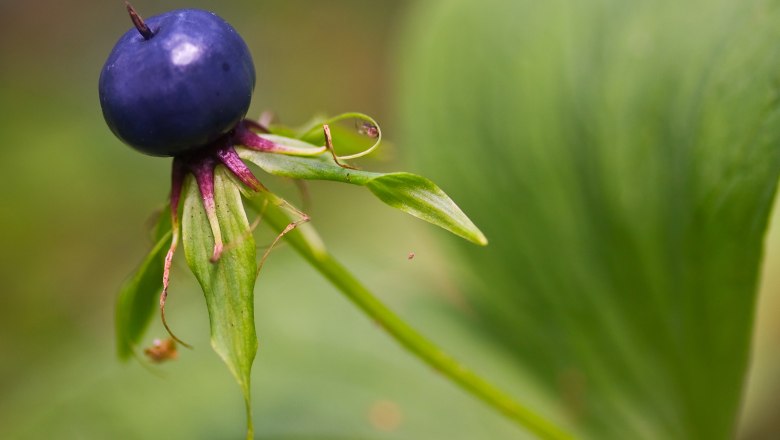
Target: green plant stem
307,243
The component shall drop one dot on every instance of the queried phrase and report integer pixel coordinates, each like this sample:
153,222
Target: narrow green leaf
410,193
421,198
138,296
228,284
321,167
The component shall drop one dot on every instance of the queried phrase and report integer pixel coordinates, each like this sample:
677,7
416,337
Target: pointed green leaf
410,193
228,284
421,198
138,297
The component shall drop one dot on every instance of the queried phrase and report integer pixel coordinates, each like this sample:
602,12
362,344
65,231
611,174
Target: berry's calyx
201,163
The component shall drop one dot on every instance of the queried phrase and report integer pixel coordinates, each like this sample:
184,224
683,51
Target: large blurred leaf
622,156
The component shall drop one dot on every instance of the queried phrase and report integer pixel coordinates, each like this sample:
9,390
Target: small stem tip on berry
138,22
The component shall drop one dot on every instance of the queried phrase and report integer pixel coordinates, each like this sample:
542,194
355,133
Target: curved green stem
308,245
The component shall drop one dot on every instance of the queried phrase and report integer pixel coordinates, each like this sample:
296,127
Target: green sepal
138,296
228,284
408,192
421,198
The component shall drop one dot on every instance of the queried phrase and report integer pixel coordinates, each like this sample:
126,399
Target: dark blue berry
178,85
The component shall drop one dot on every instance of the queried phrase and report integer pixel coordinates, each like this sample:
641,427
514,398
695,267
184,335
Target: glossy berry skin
184,87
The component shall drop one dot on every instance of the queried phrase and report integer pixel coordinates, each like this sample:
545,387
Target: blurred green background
76,206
